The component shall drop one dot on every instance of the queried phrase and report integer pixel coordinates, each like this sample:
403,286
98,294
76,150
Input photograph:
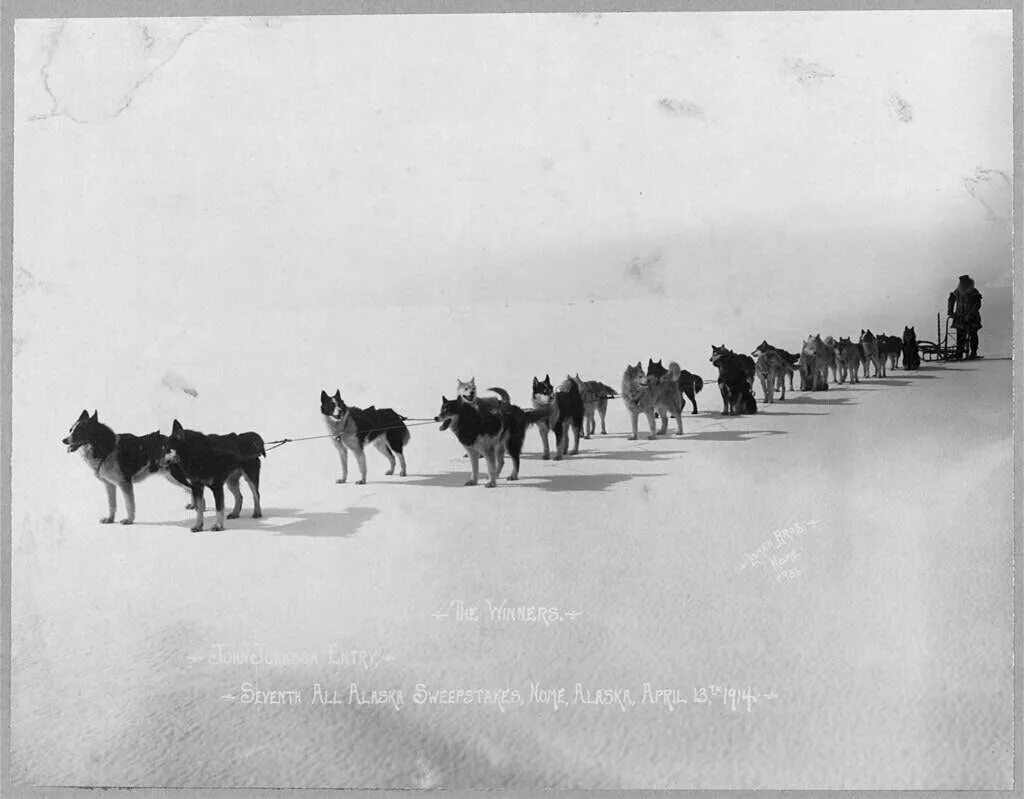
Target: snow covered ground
872,634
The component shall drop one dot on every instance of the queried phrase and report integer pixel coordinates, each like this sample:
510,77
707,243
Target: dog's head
762,349
844,342
717,353
171,447
635,376
83,432
449,411
467,390
543,391
655,370
334,407
909,334
568,385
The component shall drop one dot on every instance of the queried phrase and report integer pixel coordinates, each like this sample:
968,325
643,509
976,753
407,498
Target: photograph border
13,10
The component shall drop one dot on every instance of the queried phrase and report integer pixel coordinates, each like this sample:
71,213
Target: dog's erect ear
84,416
337,395
176,429
444,400
323,396
547,378
95,416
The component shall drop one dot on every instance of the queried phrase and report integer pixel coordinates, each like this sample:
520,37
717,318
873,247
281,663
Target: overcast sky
433,157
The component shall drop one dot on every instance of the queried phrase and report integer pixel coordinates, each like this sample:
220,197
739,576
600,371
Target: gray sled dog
646,395
595,396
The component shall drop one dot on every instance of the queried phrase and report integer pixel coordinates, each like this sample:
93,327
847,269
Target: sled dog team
487,427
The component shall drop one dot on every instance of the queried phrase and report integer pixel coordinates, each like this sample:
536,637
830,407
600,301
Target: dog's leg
361,460
218,502
560,443
382,445
634,417
474,464
129,502
111,503
542,428
401,463
492,467
602,409
500,458
232,484
651,423
664,421
252,479
515,448
343,454
200,503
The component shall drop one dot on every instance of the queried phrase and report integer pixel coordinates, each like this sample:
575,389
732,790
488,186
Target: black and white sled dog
213,461
250,448
564,409
490,431
119,460
353,428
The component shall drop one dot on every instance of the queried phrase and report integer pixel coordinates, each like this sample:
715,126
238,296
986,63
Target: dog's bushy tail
501,393
698,384
674,371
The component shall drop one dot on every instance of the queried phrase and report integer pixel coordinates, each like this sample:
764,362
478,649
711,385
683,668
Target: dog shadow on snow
284,522
561,481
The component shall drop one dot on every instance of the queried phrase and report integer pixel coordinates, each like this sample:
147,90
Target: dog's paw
652,438
341,480
234,515
190,506
389,472
491,484
107,520
513,477
361,482
402,473
197,528
256,514
127,521
217,528
470,482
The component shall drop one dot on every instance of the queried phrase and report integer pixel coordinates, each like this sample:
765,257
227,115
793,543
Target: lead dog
118,460
353,428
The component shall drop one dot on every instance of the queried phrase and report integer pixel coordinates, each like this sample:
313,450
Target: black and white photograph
477,400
